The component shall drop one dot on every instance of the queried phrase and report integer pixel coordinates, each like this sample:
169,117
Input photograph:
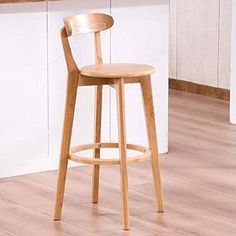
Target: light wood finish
86,80
97,139
98,49
97,120
88,23
198,177
108,161
115,75
72,82
120,97
65,144
205,90
152,139
70,62
117,70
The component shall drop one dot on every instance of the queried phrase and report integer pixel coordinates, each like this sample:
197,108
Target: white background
33,77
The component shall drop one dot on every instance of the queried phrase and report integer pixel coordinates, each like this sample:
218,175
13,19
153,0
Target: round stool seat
117,70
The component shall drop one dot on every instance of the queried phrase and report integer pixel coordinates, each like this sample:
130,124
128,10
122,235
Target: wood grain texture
120,99
97,139
71,92
146,89
75,156
117,70
65,143
98,48
205,90
86,80
97,119
70,62
198,41
117,74
198,175
87,23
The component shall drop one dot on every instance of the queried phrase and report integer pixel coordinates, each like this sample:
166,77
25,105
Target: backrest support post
71,65
98,49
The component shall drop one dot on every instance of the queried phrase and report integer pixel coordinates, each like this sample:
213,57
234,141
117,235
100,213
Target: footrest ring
74,155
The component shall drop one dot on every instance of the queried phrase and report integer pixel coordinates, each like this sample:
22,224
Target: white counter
33,77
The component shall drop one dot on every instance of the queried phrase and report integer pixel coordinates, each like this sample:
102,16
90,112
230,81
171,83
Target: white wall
200,36
34,75
233,68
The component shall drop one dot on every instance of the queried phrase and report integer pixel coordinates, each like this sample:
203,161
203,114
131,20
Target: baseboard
199,89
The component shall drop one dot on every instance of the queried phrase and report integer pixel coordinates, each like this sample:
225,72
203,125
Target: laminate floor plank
198,175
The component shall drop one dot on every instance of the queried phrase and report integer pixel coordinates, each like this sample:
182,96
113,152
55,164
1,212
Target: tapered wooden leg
65,144
146,88
123,151
97,139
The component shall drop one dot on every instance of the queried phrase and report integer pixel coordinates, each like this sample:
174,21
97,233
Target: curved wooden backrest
89,23
83,24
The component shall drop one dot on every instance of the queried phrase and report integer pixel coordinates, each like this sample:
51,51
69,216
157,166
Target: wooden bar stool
115,75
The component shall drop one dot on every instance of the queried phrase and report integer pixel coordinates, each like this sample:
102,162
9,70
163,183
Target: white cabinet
23,90
200,41
225,26
33,77
140,35
233,68
197,41
83,51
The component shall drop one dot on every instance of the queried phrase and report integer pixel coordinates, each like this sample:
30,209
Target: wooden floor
199,181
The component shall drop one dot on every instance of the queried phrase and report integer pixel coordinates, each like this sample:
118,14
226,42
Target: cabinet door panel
23,90
140,35
83,49
197,41
173,41
225,43
233,68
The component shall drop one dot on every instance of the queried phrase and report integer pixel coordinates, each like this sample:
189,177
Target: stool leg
97,139
146,88
65,144
123,151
